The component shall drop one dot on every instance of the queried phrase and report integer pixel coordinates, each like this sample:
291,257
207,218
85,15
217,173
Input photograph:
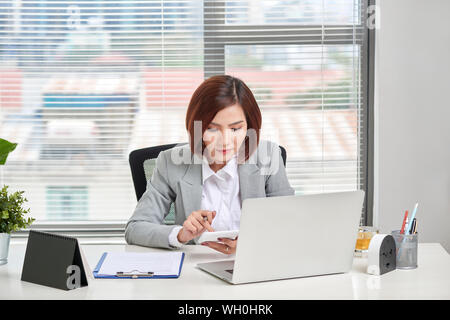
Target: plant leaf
12,212
5,214
5,148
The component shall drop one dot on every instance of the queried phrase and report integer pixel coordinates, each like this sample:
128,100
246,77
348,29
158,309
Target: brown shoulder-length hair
215,94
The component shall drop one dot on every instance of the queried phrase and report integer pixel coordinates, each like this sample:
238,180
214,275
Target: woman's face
225,134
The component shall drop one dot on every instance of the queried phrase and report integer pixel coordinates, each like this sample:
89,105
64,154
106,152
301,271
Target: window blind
83,83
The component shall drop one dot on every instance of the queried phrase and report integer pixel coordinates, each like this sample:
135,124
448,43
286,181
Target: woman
207,179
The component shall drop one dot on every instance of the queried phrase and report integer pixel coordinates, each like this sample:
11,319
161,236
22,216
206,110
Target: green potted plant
12,213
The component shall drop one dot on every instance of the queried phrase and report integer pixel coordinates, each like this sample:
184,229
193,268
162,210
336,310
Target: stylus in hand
196,224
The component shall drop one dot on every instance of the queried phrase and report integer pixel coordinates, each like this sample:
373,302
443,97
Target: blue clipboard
136,276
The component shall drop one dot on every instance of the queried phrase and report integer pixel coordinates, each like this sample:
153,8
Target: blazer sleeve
146,226
277,183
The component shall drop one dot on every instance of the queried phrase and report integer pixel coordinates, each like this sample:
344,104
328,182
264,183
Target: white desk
431,280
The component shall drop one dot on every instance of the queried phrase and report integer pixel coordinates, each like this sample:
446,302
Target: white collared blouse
221,194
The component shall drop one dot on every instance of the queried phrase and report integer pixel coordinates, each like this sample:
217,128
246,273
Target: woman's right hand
195,225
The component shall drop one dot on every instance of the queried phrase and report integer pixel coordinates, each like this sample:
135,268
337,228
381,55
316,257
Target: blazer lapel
191,188
250,181
251,185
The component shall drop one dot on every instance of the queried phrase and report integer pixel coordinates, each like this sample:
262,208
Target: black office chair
142,164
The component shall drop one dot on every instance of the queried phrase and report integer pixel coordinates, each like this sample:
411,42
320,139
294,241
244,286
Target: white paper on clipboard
160,263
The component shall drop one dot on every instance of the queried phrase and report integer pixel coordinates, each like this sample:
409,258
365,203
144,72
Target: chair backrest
142,163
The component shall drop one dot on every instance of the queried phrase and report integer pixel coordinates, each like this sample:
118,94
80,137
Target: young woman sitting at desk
224,163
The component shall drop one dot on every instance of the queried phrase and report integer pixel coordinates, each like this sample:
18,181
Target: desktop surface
431,280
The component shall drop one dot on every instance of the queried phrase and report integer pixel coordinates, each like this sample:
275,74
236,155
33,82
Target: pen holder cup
406,245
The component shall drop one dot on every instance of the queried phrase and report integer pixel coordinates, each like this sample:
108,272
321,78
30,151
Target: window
86,82
67,202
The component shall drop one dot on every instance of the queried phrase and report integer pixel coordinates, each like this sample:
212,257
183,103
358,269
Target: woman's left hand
227,247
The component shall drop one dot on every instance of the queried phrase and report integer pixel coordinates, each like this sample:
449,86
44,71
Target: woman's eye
215,129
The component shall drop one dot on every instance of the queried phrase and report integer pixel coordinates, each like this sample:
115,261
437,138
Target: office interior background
83,83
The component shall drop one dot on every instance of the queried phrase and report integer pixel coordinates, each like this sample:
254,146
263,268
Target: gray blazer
262,175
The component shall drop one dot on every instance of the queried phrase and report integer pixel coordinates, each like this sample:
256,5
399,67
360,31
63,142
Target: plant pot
4,247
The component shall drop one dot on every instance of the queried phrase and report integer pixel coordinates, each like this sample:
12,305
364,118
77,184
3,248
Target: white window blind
83,83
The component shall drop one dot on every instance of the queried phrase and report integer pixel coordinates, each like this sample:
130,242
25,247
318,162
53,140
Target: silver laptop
293,236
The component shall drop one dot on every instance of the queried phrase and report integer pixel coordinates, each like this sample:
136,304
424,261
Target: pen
413,228
206,218
404,222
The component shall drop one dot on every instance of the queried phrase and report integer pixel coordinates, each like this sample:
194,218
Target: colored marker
404,222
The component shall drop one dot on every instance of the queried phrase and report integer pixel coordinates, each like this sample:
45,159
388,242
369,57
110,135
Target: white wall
412,152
